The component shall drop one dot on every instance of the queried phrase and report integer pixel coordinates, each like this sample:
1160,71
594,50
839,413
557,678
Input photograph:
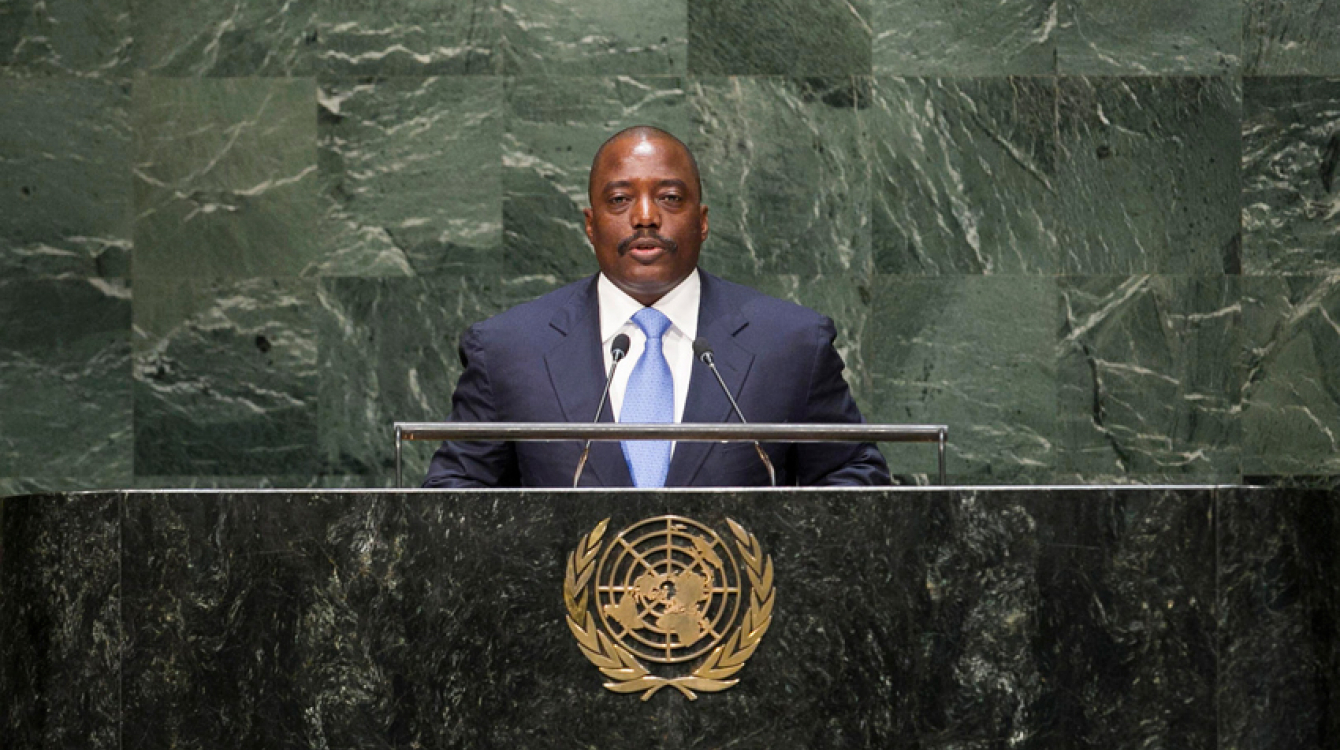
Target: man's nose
646,214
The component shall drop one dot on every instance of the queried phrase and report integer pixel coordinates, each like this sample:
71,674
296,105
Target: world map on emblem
668,589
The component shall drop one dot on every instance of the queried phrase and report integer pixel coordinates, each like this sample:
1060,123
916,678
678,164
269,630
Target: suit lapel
577,374
718,322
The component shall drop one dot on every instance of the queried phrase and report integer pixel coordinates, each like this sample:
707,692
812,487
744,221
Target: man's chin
645,289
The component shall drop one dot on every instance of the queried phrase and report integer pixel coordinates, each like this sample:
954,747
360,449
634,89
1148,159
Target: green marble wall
1101,241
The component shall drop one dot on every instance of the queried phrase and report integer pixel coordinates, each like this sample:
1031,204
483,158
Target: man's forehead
643,147
643,144
640,146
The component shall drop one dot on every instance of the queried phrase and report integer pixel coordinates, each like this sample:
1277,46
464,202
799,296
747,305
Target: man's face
646,221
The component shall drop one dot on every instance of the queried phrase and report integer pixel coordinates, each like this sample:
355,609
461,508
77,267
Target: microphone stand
705,354
618,350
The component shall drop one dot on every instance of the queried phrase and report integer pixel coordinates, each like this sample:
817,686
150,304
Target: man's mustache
647,234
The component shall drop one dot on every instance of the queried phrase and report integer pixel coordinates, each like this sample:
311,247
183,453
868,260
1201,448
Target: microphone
618,350
703,351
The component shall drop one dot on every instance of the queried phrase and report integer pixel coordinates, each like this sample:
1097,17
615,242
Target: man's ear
590,230
703,222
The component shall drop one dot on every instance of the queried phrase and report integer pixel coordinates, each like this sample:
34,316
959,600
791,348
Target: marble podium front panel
1035,617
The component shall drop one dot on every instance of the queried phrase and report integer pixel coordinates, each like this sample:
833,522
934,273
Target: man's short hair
647,131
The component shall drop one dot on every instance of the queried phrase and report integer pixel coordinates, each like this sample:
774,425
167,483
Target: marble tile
1149,175
1149,37
1279,611
269,482
921,38
975,353
85,38
1148,378
225,177
14,486
1291,176
65,397
554,127
1285,37
225,377
410,176
60,622
1072,614
405,37
388,353
580,37
1090,479
339,621
196,38
1291,375
785,174
1299,481
848,301
965,175
199,38
963,619
64,178
780,37
933,619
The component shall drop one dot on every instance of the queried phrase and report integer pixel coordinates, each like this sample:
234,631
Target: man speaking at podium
546,360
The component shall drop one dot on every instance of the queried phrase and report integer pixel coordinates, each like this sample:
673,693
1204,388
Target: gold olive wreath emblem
668,590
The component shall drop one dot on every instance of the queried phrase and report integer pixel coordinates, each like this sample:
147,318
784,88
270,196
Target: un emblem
669,591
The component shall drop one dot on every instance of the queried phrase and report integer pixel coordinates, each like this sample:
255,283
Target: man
546,360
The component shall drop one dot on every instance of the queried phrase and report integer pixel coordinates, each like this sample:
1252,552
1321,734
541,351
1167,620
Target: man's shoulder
536,314
760,307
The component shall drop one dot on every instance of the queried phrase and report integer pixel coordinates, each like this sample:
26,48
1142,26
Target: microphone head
702,350
619,347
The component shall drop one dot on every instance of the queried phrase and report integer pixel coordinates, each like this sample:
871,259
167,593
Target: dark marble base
1029,617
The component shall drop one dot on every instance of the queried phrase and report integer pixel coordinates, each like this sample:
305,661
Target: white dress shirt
680,305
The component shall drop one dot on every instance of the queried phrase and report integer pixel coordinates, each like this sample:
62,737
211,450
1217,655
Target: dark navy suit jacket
542,362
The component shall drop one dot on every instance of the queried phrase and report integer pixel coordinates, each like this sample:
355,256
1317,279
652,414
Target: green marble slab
581,37
1149,37
554,127
226,377
225,177
975,353
1009,37
65,161
1291,176
388,353
65,398
1278,606
195,38
1291,37
780,37
1147,379
63,687
1092,37
1291,375
965,175
266,482
84,38
1148,175
940,618
410,176
849,301
785,174
404,37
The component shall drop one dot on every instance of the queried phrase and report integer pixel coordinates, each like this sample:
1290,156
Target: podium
1034,617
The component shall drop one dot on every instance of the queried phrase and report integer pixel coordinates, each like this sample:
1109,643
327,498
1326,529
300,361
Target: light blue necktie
650,397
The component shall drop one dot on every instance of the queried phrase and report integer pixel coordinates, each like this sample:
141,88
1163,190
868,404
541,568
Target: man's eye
673,198
619,199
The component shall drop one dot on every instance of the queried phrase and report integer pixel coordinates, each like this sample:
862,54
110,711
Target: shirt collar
680,305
